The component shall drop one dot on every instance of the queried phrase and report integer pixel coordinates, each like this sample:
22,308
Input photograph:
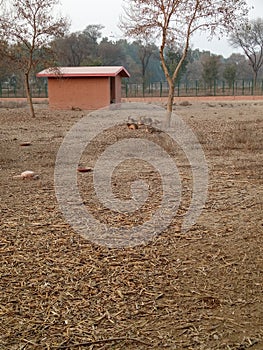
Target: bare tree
146,50
211,64
110,53
173,22
230,74
29,25
242,64
79,48
250,38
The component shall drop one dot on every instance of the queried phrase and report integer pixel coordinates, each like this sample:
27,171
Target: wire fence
194,88
158,89
14,92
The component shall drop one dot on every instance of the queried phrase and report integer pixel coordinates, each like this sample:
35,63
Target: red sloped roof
90,71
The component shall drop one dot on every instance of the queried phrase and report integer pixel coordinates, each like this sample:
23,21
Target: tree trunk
169,107
255,79
28,95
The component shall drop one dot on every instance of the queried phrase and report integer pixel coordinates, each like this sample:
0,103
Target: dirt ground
195,290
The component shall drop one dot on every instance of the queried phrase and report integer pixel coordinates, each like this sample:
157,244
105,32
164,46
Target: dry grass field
198,290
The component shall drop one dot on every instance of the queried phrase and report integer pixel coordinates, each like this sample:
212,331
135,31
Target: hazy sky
107,13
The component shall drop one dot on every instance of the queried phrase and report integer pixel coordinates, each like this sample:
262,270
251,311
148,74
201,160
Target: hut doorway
112,90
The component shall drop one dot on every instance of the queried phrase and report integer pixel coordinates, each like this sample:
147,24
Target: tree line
142,60
89,48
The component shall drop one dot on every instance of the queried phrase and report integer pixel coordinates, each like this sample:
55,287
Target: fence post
161,88
196,87
214,87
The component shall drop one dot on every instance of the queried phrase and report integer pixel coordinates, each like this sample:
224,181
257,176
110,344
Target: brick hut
86,88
